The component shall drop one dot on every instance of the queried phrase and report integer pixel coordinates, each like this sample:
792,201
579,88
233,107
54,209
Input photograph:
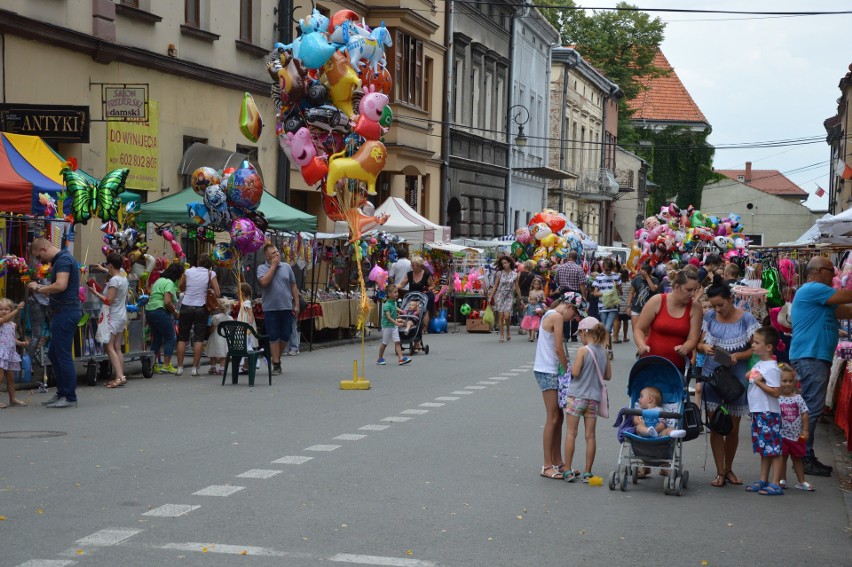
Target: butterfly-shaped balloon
101,200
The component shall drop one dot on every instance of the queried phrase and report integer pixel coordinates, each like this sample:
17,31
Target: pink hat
587,324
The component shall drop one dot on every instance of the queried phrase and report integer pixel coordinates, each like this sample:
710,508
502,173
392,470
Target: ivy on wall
681,164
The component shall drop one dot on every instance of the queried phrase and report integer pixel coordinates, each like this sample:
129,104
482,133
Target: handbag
562,383
211,303
103,334
610,298
603,405
721,421
726,384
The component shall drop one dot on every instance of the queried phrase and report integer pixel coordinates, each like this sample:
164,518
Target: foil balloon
198,213
215,197
342,82
245,188
241,228
249,242
223,255
88,199
204,177
251,124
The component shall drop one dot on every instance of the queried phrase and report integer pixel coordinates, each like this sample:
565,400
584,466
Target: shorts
547,381
582,407
623,317
193,320
635,313
278,324
390,335
766,434
795,449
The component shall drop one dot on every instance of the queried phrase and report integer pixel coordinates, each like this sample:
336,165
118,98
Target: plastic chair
236,334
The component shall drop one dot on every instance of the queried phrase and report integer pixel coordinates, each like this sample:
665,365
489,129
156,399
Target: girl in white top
217,346
550,361
115,295
246,315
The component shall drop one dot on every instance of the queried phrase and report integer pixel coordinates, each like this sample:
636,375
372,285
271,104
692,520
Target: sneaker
158,368
276,369
806,486
404,360
168,369
677,434
179,371
814,468
194,371
62,403
292,353
52,400
381,362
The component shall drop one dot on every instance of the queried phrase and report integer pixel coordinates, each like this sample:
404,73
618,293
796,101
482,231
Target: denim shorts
278,324
546,381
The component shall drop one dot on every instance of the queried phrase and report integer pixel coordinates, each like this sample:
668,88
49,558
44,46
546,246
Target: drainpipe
449,66
285,36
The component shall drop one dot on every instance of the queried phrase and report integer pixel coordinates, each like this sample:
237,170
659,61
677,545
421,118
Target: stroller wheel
613,480
625,478
425,349
411,349
685,476
678,486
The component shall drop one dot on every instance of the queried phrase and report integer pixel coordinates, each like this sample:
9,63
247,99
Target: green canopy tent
172,210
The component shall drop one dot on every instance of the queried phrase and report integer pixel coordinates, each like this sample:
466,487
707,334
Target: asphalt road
436,465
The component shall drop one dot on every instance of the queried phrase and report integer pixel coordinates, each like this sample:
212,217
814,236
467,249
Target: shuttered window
408,63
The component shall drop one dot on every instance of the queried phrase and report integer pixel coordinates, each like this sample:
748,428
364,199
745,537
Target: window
427,85
501,112
411,186
477,97
489,108
245,20
249,151
193,13
408,64
458,82
187,142
131,3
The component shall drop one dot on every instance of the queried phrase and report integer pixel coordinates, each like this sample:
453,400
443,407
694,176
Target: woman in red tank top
670,323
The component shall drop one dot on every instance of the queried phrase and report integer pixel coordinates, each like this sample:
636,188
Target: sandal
586,477
551,471
3,406
113,383
731,478
18,403
570,476
719,481
771,490
759,485
643,472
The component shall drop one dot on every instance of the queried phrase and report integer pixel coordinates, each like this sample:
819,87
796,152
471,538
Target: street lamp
520,115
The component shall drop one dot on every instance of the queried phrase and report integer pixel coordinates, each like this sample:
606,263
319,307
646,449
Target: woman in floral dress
503,295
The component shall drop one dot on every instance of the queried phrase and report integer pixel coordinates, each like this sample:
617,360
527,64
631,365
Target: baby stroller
661,453
415,335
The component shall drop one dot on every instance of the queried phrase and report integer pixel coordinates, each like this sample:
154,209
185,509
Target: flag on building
842,169
820,191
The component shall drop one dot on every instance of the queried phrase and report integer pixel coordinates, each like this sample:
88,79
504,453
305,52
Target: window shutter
397,66
418,75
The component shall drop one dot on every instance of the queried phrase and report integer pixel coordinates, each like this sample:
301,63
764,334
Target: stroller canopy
658,372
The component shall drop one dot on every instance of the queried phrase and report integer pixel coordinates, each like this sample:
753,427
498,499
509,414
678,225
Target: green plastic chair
236,334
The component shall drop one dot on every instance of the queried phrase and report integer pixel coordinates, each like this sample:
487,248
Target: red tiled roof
769,181
665,99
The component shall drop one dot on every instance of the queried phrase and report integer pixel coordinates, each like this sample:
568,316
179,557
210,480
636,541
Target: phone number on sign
137,160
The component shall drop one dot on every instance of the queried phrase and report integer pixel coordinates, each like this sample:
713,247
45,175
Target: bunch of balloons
227,196
548,238
675,232
330,89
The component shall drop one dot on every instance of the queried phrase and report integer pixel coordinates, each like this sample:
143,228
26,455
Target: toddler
390,327
217,346
650,424
535,308
763,393
794,427
591,366
411,315
245,314
10,360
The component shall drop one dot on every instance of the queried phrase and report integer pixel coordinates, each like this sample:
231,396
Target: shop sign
125,102
51,122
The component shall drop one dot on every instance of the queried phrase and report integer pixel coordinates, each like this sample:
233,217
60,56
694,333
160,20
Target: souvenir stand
469,277
444,261
792,262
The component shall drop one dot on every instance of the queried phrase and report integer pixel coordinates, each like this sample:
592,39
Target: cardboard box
477,326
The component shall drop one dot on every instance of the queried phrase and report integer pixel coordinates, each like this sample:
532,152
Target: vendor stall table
340,314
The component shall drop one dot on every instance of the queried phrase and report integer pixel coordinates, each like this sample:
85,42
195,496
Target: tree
621,44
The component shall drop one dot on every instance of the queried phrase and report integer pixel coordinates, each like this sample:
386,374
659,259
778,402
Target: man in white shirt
400,269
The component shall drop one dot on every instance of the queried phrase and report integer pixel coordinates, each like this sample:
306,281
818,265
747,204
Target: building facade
630,209
837,129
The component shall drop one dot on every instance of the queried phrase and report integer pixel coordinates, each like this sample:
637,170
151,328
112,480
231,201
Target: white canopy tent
408,224
830,229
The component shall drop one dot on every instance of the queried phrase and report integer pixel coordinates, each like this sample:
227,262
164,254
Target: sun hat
573,299
587,323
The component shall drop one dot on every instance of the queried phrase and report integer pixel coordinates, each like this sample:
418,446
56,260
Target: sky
761,78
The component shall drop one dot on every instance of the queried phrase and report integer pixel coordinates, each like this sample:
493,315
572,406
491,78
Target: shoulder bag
726,384
603,406
212,302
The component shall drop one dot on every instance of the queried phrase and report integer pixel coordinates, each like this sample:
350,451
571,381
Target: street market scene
347,283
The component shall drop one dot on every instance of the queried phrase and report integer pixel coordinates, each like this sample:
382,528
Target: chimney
748,172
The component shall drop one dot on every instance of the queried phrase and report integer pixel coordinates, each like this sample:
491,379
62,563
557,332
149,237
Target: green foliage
681,164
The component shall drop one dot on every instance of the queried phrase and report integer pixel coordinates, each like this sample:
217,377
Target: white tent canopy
407,223
830,229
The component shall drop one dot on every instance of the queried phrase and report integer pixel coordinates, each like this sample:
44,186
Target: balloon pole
359,382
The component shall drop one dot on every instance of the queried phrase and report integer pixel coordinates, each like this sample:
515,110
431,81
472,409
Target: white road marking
259,473
414,411
108,537
47,563
374,427
396,419
218,490
171,510
474,387
431,405
499,378
510,373
461,392
349,437
231,549
376,560
291,460
489,382
447,398
323,448
525,370
517,370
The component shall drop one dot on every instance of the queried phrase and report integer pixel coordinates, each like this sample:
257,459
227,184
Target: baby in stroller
650,424
411,314
413,309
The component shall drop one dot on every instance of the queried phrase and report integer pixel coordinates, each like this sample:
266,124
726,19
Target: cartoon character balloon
245,187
